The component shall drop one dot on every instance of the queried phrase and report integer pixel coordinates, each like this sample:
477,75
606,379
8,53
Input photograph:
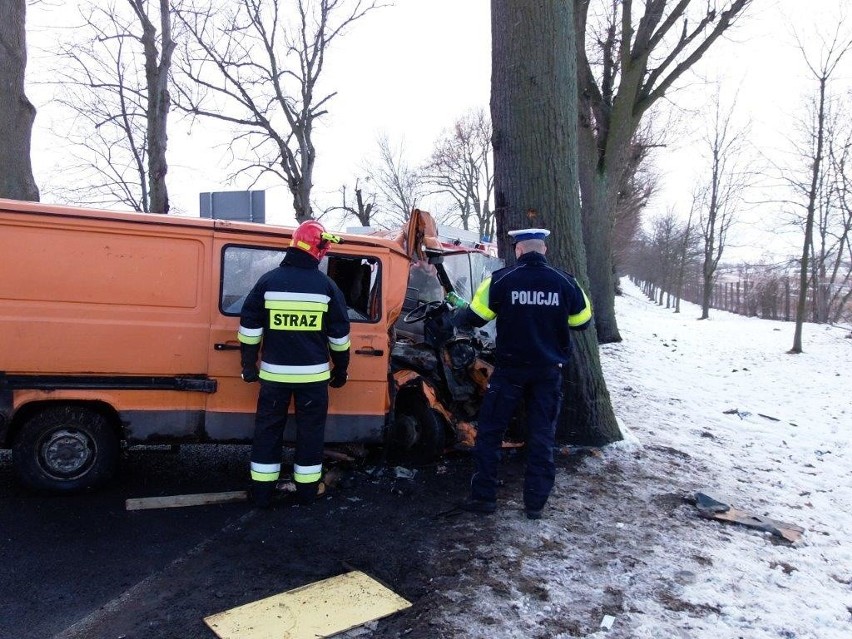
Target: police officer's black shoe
532,513
479,506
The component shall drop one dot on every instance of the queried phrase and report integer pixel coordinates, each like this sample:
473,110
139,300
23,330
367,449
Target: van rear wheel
65,449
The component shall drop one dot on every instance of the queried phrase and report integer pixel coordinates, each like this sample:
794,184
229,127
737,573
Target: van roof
57,210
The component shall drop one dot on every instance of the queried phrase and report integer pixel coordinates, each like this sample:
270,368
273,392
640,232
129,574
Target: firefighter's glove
250,373
338,377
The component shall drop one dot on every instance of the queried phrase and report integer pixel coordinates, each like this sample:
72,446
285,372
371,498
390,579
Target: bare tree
533,104
688,250
721,194
638,184
361,209
257,65
821,66
16,111
627,63
114,76
837,266
667,238
658,258
461,168
399,186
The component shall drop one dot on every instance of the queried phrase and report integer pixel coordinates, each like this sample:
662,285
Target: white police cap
528,234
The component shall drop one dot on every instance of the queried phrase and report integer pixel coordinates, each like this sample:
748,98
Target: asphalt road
63,557
83,567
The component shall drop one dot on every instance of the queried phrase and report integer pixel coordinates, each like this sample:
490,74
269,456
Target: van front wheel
65,449
419,430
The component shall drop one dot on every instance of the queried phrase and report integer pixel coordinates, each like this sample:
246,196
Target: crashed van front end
438,374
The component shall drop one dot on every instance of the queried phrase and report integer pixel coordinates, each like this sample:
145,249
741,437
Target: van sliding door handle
226,347
369,351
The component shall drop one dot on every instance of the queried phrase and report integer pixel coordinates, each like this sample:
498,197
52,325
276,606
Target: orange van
121,327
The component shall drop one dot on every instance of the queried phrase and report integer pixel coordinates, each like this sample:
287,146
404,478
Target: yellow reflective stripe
247,340
583,316
265,472
339,343
307,474
292,378
297,305
479,303
249,335
307,479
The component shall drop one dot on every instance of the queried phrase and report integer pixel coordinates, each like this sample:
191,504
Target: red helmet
312,238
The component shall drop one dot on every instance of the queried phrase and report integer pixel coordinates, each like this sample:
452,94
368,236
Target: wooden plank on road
180,501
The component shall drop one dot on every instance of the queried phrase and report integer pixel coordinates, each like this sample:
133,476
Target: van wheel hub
66,452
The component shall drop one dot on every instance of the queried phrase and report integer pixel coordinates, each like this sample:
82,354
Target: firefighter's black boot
261,493
306,494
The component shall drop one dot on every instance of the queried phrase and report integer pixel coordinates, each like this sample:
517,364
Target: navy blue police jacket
536,306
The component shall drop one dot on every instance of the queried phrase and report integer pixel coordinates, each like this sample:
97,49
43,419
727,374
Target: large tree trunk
16,112
534,114
599,200
600,175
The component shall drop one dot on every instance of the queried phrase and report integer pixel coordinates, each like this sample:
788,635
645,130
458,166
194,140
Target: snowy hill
716,406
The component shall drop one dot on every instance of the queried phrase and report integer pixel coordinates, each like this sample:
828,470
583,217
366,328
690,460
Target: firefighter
535,306
296,317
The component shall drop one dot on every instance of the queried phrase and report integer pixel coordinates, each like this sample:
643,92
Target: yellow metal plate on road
320,609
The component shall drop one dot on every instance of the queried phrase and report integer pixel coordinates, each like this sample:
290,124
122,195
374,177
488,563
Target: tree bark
534,115
16,112
599,197
159,101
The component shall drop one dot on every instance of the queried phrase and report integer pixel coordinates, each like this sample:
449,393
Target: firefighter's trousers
311,409
541,390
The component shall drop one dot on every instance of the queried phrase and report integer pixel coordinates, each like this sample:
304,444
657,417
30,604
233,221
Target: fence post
786,299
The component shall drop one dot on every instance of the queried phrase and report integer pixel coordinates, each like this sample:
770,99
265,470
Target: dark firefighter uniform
536,306
299,316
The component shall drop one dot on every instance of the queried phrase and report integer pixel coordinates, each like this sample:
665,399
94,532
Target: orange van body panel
87,295
102,300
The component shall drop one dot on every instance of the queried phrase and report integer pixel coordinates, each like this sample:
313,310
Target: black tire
65,449
420,434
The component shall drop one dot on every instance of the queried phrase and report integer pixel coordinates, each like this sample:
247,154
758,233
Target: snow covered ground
716,406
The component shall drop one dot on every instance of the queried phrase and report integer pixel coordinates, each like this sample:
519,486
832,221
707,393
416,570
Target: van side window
242,266
357,277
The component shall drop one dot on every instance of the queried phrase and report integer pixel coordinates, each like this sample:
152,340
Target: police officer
535,305
298,315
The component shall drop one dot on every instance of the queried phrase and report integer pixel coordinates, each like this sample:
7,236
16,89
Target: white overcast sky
409,71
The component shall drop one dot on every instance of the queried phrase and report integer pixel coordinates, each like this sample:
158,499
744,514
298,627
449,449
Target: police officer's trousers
541,388
311,403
